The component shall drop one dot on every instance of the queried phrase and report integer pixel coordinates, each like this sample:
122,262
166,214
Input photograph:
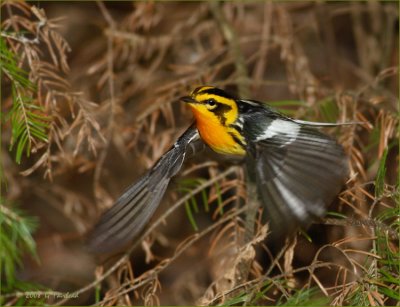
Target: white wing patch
292,200
279,127
319,124
252,103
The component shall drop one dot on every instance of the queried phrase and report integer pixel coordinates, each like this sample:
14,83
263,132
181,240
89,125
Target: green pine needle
380,176
306,297
15,239
28,120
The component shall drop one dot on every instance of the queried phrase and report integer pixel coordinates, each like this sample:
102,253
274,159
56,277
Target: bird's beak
188,100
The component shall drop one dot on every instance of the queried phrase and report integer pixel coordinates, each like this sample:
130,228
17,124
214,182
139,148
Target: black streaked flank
237,140
236,127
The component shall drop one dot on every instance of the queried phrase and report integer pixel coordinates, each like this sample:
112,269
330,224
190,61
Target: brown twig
149,275
259,70
234,47
111,88
242,75
125,257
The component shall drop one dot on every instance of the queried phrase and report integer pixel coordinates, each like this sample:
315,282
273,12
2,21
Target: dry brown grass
110,74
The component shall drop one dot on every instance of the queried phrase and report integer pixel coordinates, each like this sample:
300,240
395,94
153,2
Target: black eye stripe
220,111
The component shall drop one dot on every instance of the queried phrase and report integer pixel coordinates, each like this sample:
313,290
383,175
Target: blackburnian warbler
298,170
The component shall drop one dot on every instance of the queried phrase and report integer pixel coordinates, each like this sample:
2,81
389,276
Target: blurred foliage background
89,101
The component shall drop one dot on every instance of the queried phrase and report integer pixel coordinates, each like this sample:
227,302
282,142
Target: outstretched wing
126,219
298,171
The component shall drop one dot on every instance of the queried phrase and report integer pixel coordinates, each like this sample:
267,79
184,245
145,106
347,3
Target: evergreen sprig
28,120
15,239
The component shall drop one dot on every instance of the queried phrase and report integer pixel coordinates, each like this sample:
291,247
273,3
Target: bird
297,169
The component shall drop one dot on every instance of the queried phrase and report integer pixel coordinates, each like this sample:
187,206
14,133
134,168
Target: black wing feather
125,220
298,174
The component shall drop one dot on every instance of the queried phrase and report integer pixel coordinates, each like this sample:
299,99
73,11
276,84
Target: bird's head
211,103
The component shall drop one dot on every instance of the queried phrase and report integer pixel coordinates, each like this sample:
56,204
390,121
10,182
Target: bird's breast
221,139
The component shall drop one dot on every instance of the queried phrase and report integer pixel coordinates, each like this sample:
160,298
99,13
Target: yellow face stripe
200,89
230,116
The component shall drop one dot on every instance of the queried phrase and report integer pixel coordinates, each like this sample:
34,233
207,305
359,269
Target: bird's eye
211,102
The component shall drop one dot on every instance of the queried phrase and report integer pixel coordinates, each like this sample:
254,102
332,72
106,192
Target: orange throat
221,139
